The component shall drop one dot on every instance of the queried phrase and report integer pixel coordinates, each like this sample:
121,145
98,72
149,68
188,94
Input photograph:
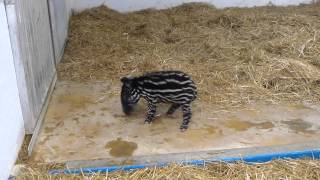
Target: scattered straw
279,169
236,55
23,153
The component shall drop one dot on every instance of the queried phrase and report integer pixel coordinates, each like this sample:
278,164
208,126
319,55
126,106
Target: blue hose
261,158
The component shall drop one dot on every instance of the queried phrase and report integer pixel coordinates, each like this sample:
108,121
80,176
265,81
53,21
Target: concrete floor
84,121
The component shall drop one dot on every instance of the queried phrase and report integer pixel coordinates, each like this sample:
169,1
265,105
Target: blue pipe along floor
259,158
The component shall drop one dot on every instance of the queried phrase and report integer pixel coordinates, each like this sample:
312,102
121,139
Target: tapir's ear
126,80
123,79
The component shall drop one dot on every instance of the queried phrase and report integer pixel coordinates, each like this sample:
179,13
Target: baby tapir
173,87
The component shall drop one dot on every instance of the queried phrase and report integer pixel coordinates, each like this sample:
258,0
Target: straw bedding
236,56
280,169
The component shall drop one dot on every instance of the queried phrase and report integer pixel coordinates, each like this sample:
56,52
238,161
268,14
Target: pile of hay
280,169
235,55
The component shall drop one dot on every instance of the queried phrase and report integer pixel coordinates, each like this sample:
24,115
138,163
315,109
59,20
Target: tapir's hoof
183,128
147,122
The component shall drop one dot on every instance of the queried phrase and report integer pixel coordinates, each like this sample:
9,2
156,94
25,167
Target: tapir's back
167,86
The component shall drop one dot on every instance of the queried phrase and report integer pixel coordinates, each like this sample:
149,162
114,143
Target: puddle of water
212,129
195,135
264,125
239,125
299,126
121,148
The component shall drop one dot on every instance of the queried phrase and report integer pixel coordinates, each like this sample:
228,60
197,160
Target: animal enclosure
256,70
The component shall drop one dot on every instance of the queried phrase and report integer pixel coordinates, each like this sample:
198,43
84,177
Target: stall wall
33,54
132,5
59,17
11,121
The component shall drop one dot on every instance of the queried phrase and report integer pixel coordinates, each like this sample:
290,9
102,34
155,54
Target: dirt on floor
235,55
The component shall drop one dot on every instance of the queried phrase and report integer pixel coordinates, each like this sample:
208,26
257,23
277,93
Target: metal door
31,39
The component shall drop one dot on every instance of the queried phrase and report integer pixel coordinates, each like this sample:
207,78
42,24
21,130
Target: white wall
11,122
132,5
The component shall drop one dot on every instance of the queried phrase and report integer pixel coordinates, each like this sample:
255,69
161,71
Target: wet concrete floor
84,121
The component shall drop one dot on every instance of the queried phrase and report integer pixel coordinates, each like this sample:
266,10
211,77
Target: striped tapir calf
173,87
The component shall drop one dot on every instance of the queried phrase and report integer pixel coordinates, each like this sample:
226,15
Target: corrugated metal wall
33,53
